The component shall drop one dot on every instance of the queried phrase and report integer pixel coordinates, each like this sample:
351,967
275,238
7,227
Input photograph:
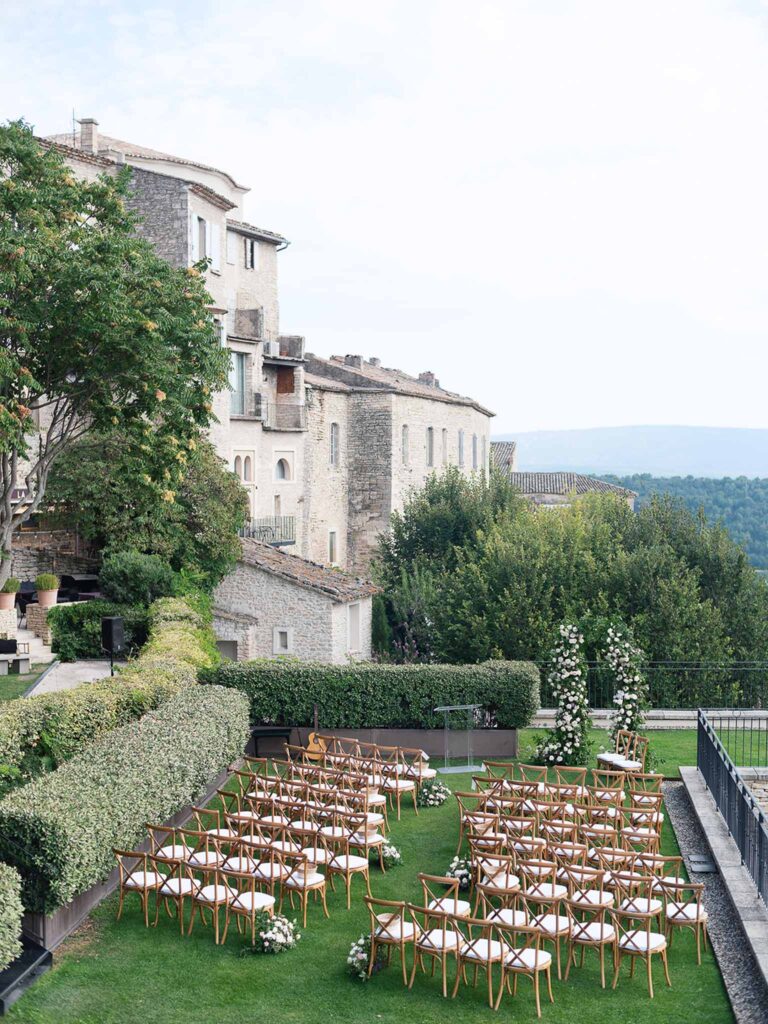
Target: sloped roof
251,229
564,484
503,453
333,583
368,377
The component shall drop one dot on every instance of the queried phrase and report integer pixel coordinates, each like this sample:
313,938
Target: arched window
430,446
247,471
445,447
405,444
461,448
474,451
282,470
334,454
238,467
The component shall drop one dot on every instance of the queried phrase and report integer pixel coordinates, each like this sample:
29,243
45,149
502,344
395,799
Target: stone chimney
355,361
429,379
89,135
374,361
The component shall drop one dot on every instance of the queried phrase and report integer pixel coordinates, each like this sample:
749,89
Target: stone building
276,605
558,489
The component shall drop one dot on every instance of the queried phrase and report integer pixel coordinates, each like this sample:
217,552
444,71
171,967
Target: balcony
287,349
283,416
279,531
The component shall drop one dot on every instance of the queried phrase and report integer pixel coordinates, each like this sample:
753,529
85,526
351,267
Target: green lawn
669,748
12,686
112,973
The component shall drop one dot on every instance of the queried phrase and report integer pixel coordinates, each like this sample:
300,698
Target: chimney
89,135
356,361
429,379
374,361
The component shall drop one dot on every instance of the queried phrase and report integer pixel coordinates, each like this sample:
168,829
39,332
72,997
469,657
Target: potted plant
8,593
47,586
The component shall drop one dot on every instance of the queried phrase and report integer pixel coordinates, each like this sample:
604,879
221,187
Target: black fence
681,684
743,815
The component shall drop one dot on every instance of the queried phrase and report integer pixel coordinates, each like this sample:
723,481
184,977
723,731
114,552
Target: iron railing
276,530
680,684
743,815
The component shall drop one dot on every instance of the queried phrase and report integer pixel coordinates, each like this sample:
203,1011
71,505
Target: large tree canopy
96,331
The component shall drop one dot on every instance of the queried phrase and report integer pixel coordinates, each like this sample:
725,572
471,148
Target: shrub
11,910
39,733
367,696
11,586
59,831
76,628
132,578
47,581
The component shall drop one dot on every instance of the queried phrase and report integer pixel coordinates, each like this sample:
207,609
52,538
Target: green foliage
96,326
39,733
59,831
740,503
369,696
133,578
685,588
381,631
103,486
11,911
76,628
11,586
47,581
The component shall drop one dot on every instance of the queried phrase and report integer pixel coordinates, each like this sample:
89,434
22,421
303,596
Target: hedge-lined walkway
113,973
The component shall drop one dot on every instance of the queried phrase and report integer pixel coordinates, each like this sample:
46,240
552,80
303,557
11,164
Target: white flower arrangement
567,742
274,934
433,793
462,869
359,957
624,660
391,856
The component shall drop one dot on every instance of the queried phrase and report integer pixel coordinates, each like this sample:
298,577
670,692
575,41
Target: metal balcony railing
276,530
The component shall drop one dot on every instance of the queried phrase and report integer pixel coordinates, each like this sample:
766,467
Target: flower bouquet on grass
462,869
274,934
359,957
433,793
391,856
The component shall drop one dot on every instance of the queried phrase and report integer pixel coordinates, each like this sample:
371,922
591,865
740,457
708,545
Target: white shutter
215,247
194,254
231,247
255,254
207,238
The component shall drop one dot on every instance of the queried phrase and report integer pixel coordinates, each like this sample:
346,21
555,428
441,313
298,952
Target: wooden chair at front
135,876
390,930
523,957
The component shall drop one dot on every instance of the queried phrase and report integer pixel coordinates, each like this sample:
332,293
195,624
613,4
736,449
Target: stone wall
163,204
326,505
8,623
57,551
369,454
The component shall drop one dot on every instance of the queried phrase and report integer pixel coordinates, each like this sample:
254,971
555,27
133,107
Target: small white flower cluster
624,660
461,869
359,957
276,935
433,793
391,856
566,743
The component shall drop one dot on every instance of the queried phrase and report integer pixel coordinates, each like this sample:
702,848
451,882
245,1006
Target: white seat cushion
593,898
143,879
448,905
688,912
348,862
174,851
401,784
609,755
482,950
241,864
437,939
252,901
393,930
285,846
501,881
547,890
641,942
371,838
506,915
221,833
216,893
414,772
273,819
333,831
178,887
270,871
205,858
551,924
304,879
625,765
528,959
640,905
593,932
315,856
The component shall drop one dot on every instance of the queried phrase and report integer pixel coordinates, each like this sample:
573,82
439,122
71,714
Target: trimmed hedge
39,733
59,831
76,628
11,911
369,696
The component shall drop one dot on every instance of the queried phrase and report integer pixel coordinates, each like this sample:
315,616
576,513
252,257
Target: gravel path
742,978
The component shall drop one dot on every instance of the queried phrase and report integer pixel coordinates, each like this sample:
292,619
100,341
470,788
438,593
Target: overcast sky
558,207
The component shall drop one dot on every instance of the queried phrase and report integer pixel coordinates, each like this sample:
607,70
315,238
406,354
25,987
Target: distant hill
661,451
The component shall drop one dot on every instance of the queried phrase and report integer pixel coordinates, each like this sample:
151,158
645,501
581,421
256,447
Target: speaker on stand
112,638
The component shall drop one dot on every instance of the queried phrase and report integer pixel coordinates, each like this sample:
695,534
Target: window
333,551
405,444
282,640
461,447
445,447
202,238
485,455
251,253
237,384
430,446
278,506
231,247
474,451
282,470
247,469
353,623
334,453
238,467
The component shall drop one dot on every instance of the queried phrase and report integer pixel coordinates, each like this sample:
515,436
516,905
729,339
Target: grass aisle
120,973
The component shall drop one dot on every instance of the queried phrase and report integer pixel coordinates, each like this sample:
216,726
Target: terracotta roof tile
339,586
564,484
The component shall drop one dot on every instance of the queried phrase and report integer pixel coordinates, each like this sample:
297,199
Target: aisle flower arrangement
359,957
391,856
568,742
433,793
274,934
462,869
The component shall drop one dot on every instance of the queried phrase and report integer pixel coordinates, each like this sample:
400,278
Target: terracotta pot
7,601
47,598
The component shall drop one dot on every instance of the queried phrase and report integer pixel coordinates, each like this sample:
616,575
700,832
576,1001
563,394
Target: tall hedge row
53,727
11,911
59,831
365,696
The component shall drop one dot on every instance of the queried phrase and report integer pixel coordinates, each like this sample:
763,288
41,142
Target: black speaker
112,634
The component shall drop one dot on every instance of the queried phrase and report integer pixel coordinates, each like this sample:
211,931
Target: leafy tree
97,331
102,487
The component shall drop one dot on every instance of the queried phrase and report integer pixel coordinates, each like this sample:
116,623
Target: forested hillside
741,503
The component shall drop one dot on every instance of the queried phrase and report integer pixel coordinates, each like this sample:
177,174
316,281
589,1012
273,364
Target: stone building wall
54,551
163,205
370,455
340,625
325,506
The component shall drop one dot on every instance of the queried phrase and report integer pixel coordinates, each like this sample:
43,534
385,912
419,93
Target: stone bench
20,664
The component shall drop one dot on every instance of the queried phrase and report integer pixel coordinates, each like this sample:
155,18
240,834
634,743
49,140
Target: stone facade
8,623
163,205
57,551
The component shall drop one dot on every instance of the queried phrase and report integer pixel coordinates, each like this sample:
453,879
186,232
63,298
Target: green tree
102,487
97,331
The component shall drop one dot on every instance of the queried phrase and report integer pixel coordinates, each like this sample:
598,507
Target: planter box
50,930
486,743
